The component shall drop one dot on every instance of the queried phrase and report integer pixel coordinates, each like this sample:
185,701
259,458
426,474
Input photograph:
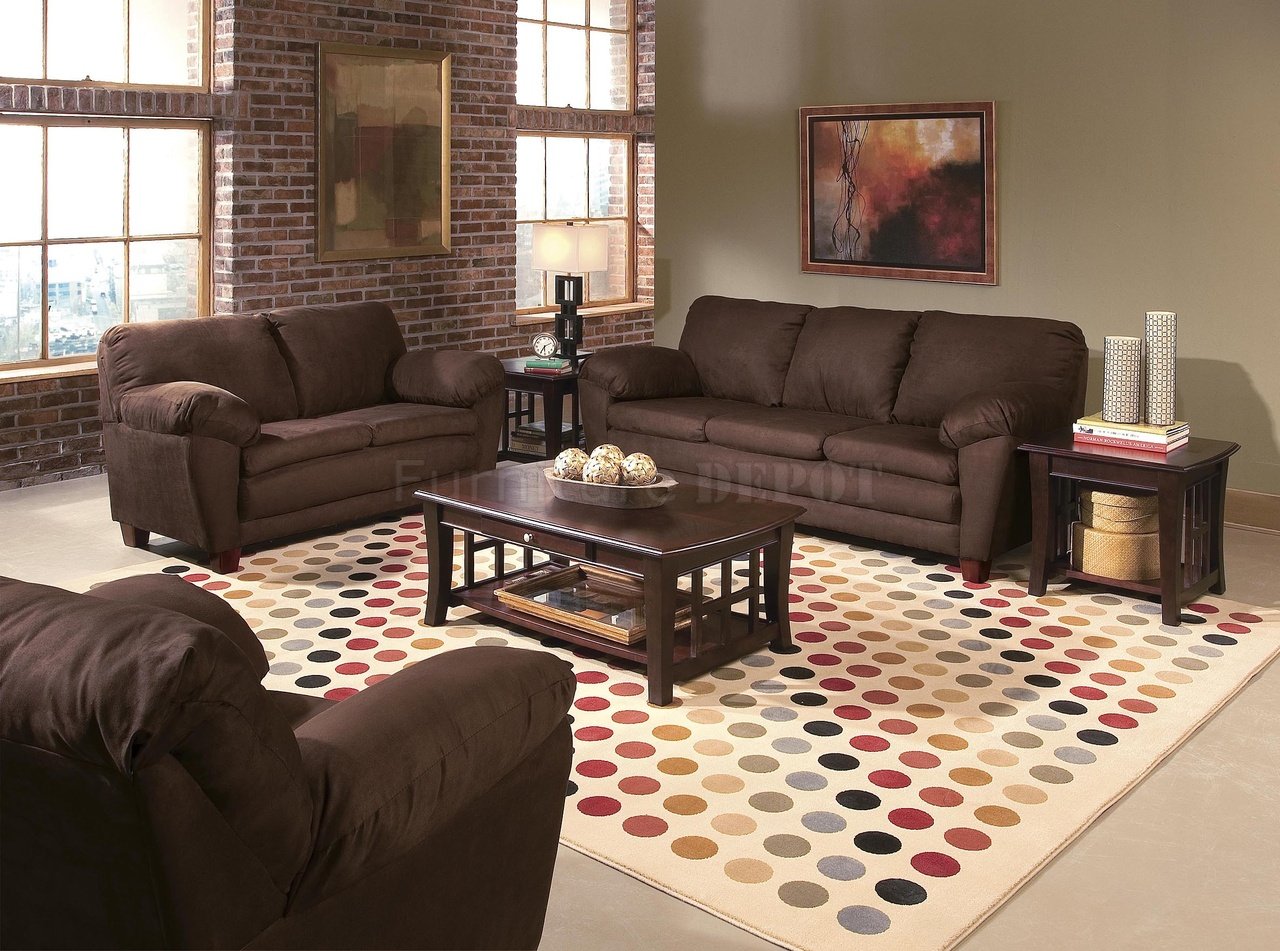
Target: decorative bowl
612,496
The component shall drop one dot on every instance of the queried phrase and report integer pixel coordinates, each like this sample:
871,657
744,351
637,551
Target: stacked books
531,438
1094,430
548,366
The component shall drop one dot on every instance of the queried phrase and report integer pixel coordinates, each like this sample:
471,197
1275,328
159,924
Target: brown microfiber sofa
897,426
153,794
226,431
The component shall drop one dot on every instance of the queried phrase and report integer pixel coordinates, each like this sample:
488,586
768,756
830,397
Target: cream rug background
923,750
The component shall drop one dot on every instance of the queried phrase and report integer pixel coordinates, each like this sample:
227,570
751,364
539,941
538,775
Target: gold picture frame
382,140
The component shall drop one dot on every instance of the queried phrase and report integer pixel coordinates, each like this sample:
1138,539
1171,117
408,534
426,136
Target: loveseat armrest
446,377
187,408
642,372
1009,409
388,766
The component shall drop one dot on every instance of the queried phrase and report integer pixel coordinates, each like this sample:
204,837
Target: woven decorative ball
569,464
608,451
602,470
638,469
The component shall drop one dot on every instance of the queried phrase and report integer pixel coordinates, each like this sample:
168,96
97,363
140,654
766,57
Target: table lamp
570,250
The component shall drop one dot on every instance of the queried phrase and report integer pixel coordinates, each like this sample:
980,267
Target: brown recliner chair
153,794
226,431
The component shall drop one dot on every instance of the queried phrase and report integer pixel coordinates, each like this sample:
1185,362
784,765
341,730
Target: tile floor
1185,861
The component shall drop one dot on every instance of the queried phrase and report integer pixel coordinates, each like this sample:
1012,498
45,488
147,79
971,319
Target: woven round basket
1119,513
1124,556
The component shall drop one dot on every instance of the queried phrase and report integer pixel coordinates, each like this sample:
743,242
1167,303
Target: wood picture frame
903,191
382,142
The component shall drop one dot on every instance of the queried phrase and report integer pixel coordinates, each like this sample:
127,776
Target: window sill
546,317
26,374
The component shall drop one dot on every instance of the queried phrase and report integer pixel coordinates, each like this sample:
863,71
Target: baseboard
1258,510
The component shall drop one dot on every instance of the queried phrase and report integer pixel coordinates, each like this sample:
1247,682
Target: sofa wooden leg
974,571
227,562
134,537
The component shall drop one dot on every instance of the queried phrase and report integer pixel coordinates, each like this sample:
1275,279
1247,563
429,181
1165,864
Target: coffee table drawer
543,541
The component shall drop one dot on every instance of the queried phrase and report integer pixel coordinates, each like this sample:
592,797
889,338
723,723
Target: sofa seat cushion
683,417
293,440
778,431
400,422
912,451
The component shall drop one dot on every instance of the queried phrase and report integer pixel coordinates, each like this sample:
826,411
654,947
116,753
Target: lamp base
568,322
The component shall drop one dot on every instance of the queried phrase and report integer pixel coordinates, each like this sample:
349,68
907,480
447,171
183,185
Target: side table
1190,484
552,390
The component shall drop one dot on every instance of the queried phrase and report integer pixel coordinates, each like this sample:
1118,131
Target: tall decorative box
1122,379
1161,366
1117,536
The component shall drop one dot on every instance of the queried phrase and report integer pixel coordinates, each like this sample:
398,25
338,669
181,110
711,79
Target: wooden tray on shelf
605,603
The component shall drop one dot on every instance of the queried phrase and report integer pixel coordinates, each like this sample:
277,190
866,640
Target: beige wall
1138,148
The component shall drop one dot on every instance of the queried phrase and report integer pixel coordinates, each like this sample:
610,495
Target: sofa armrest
389,765
186,408
642,373
446,377
1010,409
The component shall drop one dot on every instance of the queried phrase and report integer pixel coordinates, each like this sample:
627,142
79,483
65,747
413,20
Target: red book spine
1096,440
547,371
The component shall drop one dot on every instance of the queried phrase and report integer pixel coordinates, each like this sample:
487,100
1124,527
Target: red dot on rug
599,806
375,679
591,703
354,667
1107,680
1079,653
386,584
881,697
935,864
634,749
833,625
1139,706
626,690
340,693
862,670
379,603
810,637
1089,693
836,684
1233,628
592,677
644,827
898,727
1031,610
1055,630
589,733
869,743
1015,621
801,617
1245,618
941,796
971,840
1061,667
1036,643
390,655
995,602
639,785
851,711
397,632
629,716
850,647
889,779
1118,721
919,759
596,768
361,644
372,621
824,660
908,818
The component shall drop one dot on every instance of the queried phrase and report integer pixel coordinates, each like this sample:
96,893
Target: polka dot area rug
920,752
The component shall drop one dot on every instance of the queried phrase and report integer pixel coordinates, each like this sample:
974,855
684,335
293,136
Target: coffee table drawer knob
528,537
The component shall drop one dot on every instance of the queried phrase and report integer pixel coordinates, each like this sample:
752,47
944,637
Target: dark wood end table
552,389
698,528
1190,484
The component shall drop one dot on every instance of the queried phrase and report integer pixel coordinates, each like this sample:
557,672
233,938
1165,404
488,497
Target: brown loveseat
225,431
153,794
897,426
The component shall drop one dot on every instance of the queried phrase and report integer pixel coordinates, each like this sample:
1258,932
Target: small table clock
546,345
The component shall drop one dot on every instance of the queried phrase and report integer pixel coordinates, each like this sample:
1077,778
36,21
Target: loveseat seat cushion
236,354
400,422
850,360
954,355
742,348
912,451
293,440
779,431
339,357
683,417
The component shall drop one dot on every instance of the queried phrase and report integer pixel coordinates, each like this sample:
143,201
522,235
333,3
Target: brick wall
262,108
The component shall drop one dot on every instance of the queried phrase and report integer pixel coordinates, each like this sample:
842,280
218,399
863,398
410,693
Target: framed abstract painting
382,177
901,191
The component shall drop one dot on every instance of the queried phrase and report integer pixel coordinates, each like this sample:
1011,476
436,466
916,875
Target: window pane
530,88
567,11
20,304
164,42
164,181
531,9
566,177
86,40
610,178
23,149
611,14
530,185
164,279
21,40
612,284
86,289
566,67
528,281
86,182
610,77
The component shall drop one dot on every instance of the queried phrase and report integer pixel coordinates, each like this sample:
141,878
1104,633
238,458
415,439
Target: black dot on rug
176,569
354,593
877,843
323,657
1098,737
859,799
788,649
899,891
312,680
335,633
343,612
838,761
996,633
808,699
1018,657
1069,707
571,789
1042,680
823,728
362,576
797,673
368,560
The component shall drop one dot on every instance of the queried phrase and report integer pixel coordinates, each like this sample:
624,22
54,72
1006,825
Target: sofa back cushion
742,348
849,360
237,354
954,355
339,355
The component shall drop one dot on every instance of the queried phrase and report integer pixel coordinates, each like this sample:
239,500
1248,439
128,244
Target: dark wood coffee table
1190,485
695,529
